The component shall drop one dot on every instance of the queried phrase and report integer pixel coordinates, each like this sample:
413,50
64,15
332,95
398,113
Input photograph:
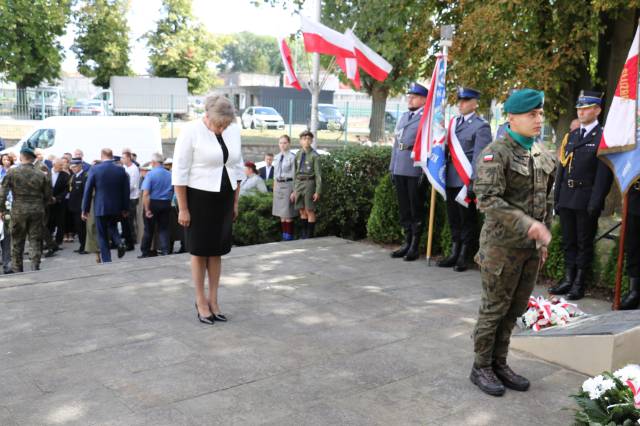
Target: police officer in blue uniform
474,134
406,177
632,248
582,184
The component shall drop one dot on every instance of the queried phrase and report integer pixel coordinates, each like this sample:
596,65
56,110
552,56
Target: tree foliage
248,52
30,51
102,40
182,47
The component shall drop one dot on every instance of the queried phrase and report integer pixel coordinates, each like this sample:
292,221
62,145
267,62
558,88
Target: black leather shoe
579,286
83,252
564,286
404,248
131,248
450,261
8,271
414,249
50,253
486,380
509,378
205,320
122,249
143,256
632,299
461,262
218,317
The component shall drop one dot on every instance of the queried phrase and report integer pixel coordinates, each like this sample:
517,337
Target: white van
57,135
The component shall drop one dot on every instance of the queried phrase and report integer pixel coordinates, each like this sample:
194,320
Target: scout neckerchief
523,141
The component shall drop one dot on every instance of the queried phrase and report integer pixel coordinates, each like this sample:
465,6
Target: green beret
26,149
524,100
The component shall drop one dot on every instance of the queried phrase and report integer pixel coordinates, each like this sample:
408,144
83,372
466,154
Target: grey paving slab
356,339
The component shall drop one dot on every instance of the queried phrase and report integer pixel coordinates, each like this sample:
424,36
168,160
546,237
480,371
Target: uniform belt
284,180
404,146
574,183
306,177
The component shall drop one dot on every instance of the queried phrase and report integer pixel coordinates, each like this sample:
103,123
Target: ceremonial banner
319,38
429,148
619,146
350,67
372,63
285,54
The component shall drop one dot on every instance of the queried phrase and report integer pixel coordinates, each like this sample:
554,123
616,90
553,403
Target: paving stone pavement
323,331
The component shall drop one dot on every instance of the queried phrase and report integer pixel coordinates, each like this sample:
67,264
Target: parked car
330,117
262,117
47,100
390,119
87,107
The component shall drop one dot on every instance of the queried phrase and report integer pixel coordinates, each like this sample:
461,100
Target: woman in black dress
207,169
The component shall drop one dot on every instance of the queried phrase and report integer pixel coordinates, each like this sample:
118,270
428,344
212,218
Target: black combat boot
461,263
508,377
404,248
486,380
413,252
632,299
453,257
579,285
565,285
311,229
303,229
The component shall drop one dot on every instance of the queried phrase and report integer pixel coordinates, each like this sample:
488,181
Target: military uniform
31,193
513,189
632,248
406,178
307,181
74,205
582,184
47,238
474,134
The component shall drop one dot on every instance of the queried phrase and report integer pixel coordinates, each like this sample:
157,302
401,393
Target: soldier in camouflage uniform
513,187
31,193
47,239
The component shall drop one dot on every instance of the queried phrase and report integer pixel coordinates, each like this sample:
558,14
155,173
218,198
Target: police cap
417,89
588,99
467,93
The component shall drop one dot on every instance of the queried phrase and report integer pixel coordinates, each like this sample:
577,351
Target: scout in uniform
582,184
283,172
307,184
632,248
513,187
406,177
31,192
473,134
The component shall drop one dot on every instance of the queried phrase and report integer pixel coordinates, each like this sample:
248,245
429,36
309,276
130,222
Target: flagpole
315,82
446,37
620,264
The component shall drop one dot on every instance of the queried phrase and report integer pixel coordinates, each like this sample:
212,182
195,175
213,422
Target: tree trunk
379,94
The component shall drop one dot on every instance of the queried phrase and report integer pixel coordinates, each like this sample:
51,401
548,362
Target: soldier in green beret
31,193
513,188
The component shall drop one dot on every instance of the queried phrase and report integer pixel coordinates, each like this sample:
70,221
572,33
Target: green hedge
255,224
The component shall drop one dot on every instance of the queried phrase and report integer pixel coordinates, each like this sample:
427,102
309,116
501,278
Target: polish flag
285,53
350,67
319,38
375,65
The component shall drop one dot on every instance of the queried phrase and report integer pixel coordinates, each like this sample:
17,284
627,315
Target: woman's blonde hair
219,110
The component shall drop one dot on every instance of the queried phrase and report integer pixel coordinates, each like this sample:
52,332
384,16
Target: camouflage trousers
23,225
508,278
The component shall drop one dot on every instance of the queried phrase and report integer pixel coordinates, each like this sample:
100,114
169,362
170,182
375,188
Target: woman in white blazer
207,170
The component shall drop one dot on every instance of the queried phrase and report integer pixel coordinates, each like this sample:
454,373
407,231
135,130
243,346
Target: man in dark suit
111,185
581,186
632,249
74,203
471,134
406,176
59,185
266,172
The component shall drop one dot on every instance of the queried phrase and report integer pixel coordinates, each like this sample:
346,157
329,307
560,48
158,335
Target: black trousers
160,210
80,228
129,223
462,220
411,198
578,231
632,246
56,221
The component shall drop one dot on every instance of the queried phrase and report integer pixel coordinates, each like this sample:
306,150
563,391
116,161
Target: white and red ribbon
460,162
636,393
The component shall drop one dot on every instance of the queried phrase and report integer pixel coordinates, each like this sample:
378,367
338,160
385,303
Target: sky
219,16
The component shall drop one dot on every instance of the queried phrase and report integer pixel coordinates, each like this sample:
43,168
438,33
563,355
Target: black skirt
210,231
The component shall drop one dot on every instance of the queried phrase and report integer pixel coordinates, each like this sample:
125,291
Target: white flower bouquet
542,313
610,399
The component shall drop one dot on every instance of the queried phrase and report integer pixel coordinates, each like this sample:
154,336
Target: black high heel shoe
206,320
217,317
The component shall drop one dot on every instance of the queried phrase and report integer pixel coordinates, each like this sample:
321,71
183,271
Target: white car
259,117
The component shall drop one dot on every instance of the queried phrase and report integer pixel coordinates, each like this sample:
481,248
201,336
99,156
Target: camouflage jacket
30,188
514,188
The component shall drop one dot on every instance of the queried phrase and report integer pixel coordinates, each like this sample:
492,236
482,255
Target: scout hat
417,89
588,99
524,100
467,93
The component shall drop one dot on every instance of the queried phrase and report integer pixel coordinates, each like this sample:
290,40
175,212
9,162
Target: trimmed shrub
608,275
255,224
384,221
554,266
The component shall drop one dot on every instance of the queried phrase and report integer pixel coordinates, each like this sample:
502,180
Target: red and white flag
372,63
619,146
319,38
350,67
285,54
460,162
